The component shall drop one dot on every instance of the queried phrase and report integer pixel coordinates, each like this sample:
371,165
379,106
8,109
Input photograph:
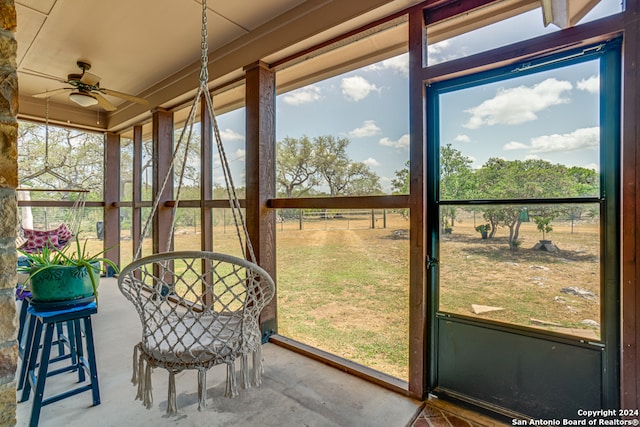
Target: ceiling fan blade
42,75
89,79
124,96
51,92
103,101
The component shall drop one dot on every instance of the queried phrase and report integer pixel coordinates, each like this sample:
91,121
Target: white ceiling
151,48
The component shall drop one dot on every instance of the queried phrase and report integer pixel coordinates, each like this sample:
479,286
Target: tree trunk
494,228
514,231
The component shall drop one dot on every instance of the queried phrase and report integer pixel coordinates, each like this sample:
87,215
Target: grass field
343,286
346,291
529,286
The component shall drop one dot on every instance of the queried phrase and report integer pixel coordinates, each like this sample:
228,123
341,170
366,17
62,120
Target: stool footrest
66,394
70,368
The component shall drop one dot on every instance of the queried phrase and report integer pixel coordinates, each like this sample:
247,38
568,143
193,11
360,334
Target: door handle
431,262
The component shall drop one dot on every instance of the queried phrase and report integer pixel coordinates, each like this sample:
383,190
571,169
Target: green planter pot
62,283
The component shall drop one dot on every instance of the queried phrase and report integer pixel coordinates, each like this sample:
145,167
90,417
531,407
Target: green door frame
454,373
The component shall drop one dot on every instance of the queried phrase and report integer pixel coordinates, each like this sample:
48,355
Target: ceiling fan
86,90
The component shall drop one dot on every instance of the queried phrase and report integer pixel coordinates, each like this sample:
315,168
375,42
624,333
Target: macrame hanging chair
54,231
198,309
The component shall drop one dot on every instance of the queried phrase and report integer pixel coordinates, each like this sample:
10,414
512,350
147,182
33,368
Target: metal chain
234,202
204,72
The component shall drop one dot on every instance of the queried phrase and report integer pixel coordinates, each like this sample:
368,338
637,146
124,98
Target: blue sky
552,116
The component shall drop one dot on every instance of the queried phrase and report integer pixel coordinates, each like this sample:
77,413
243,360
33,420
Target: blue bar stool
25,335
77,318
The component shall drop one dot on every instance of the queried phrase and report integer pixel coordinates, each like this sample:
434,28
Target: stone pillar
8,210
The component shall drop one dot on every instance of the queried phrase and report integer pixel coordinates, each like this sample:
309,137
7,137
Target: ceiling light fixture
83,99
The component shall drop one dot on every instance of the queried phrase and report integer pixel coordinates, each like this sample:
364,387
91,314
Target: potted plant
62,275
543,224
483,229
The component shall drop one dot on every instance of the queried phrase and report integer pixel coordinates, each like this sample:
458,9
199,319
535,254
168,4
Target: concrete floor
296,391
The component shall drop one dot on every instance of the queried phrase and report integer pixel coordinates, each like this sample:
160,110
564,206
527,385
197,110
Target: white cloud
402,142
303,95
462,138
519,104
399,63
590,84
371,162
231,135
368,128
532,157
577,140
239,154
357,88
515,145
437,52
592,166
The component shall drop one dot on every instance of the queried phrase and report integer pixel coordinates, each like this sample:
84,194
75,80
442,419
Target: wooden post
418,354
261,147
162,153
206,191
206,183
111,231
630,347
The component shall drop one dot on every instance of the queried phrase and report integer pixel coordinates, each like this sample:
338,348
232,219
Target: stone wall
8,210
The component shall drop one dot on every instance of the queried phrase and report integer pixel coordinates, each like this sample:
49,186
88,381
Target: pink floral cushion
64,234
36,240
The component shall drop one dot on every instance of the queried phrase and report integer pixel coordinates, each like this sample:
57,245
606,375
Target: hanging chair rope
78,212
198,309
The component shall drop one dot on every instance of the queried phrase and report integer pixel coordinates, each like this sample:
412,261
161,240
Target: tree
191,174
303,164
361,181
126,169
332,162
296,166
517,179
76,155
586,183
400,184
456,180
